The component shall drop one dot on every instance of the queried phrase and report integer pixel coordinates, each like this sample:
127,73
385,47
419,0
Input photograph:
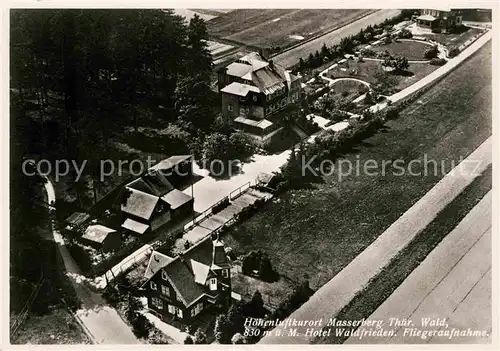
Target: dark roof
152,182
176,198
219,255
157,261
77,218
182,278
184,269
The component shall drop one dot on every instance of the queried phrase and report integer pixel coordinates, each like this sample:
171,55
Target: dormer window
213,284
164,275
153,286
224,273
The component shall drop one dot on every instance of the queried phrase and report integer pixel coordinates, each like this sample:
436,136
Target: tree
188,340
222,330
405,34
238,338
257,303
431,52
200,337
401,64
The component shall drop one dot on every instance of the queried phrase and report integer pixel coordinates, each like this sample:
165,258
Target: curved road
291,57
101,321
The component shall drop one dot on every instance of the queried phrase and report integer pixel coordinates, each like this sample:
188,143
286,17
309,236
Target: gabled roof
188,272
153,182
156,262
176,198
97,233
77,218
140,204
171,162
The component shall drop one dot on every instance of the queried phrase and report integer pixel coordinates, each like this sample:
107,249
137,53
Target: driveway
101,321
329,300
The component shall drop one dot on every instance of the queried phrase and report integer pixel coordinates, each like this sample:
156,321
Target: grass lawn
412,50
272,293
365,303
367,70
453,39
351,87
318,232
279,27
55,327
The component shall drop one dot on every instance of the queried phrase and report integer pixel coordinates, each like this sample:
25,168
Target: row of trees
80,76
347,44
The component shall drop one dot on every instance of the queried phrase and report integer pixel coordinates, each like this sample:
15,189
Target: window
165,290
255,98
213,284
229,107
196,309
179,313
157,303
171,309
224,273
164,275
153,286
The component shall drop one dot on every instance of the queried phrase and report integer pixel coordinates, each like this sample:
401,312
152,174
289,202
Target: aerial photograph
250,176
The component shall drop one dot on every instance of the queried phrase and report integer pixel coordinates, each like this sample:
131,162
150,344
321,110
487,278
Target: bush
437,61
405,34
454,51
345,93
392,112
431,52
200,337
368,52
387,39
294,300
188,340
238,339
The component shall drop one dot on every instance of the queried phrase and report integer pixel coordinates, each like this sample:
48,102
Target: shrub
345,93
188,340
454,51
392,112
238,339
200,337
387,39
405,34
368,52
437,61
431,52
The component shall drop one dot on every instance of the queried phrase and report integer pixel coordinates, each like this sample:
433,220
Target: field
317,232
453,39
368,69
412,50
55,327
278,28
395,273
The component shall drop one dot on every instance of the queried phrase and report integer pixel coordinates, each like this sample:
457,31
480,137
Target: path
102,321
453,282
329,300
291,57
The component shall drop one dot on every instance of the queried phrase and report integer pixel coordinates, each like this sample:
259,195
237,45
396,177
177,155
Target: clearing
368,69
411,49
279,28
318,232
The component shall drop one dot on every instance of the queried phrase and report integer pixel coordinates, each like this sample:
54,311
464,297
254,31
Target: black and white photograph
260,176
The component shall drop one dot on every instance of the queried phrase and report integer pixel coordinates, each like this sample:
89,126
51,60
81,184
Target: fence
21,318
141,254
239,190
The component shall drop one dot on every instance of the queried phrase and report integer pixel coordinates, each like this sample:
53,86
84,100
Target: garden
307,237
411,49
